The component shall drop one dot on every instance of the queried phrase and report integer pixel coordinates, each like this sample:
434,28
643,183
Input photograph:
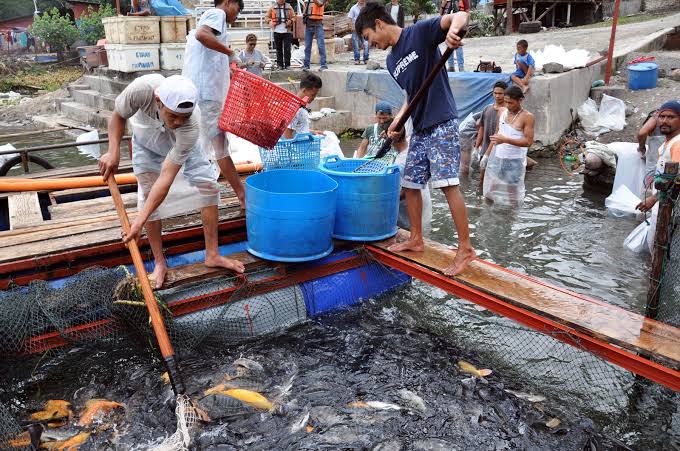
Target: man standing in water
164,139
434,151
488,123
206,63
668,118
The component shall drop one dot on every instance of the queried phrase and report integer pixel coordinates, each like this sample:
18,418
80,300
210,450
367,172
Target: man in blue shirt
525,65
434,151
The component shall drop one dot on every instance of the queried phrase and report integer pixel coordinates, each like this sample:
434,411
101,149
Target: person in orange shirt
668,118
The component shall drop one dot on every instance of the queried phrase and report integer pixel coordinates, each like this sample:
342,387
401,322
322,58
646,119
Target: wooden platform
89,228
540,304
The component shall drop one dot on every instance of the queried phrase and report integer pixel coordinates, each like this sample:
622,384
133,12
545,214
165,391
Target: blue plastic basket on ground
301,152
290,214
368,201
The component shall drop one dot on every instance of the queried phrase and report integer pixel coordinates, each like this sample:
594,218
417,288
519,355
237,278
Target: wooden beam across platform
624,338
24,210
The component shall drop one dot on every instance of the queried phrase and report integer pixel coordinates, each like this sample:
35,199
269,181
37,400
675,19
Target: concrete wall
549,99
627,8
658,5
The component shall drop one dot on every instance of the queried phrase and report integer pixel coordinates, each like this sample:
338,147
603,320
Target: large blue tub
290,214
643,76
368,203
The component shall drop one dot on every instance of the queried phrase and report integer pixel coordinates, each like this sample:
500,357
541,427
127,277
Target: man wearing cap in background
668,119
375,133
206,64
163,118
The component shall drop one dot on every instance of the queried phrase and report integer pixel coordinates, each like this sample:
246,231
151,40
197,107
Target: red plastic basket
257,110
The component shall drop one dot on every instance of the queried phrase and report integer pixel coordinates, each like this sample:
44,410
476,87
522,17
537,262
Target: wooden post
568,13
118,7
612,39
553,14
670,191
533,12
508,13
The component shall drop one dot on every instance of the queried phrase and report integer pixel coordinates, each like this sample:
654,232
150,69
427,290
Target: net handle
157,323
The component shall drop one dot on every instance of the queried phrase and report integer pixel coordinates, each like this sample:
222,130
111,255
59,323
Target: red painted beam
620,357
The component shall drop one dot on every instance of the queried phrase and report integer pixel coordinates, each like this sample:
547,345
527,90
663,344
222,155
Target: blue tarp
471,90
168,8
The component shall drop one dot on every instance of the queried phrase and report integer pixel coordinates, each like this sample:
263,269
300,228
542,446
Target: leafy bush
56,30
485,24
91,27
417,8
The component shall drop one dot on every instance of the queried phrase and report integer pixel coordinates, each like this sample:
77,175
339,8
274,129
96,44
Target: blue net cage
301,152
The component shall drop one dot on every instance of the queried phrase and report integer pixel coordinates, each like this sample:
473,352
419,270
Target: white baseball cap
176,90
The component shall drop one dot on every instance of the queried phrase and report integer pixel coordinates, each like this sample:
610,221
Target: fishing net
11,435
188,419
669,287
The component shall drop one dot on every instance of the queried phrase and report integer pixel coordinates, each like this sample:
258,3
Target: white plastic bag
4,158
243,151
403,220
612,113
330,145
556,54
504,180
630,169
622,202
636,241
91,150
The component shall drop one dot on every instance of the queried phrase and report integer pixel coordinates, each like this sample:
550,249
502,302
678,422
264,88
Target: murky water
403,349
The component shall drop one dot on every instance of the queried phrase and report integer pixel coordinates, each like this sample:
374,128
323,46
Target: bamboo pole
157,323
668,192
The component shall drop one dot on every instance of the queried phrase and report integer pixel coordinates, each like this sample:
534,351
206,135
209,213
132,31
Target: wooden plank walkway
597,319
24,210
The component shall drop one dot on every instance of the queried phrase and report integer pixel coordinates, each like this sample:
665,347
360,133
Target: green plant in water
90,24
56,30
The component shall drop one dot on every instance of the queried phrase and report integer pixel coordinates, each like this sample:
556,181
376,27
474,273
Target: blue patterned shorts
433,155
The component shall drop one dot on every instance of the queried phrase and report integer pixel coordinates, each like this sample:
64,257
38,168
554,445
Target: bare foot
408,245
157,277
463,257
224,262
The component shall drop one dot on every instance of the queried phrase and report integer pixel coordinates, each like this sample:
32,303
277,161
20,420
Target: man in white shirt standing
356,40
206,63
395,10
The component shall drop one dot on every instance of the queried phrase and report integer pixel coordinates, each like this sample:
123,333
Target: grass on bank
623,20
44,78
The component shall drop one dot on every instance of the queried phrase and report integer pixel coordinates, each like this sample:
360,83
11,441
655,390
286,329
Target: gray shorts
211,112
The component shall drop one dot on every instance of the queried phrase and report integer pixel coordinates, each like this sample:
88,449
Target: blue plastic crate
301,152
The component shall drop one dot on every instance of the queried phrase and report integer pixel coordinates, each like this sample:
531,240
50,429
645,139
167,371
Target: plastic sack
556,54
630,169
168,8
91,150
330,145
611,115
474,159
403,220
622,202
651,234
4,158
243,151
636,241
504,180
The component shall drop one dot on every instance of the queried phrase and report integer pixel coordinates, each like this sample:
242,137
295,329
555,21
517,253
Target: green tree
56,30
91,27
417,8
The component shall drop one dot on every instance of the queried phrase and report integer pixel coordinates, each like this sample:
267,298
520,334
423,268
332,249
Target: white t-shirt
207,68
354,12
394,12
300,122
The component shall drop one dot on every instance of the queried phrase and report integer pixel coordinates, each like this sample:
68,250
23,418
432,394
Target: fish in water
96,408
378,405
415,401
469,368
70,443
528,396
298,425
55,409
248,397
22,440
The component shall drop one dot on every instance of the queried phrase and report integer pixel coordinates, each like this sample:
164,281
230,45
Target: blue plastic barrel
642,76
290,214
368,202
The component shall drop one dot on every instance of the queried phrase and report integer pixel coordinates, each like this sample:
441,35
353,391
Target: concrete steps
104,84
94,99
336,122
94,117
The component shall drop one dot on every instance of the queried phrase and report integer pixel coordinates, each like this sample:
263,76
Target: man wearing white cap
164,140
206,63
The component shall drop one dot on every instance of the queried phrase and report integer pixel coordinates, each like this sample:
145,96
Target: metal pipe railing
58,146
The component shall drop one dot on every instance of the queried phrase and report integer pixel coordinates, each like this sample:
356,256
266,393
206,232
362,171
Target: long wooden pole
669,193
150,300
508,12
612,39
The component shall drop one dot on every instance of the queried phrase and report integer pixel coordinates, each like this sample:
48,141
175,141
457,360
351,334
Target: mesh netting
35,317
11,435
669,287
